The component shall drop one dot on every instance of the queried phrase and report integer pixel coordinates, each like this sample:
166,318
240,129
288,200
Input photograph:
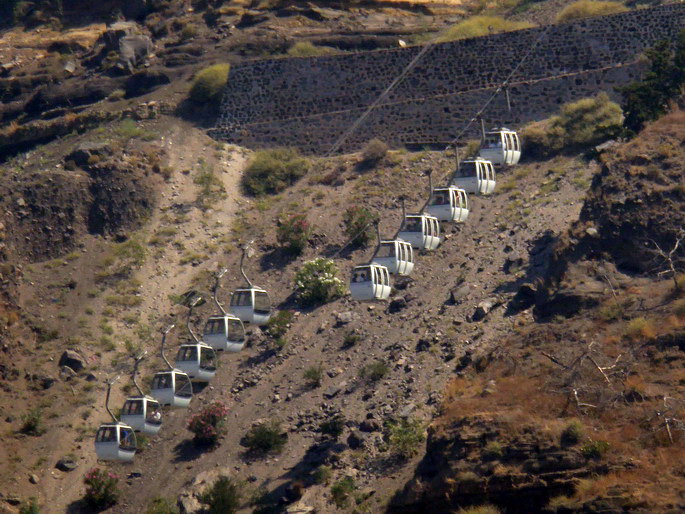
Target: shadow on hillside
260,358
202,116
275,258
537,267
187,451
78,507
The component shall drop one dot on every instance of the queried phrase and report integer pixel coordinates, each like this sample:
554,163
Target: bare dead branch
555,360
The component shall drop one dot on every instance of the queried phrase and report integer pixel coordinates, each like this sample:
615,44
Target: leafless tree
670,257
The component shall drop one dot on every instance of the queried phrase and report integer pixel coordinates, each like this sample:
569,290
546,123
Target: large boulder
85,153
73,360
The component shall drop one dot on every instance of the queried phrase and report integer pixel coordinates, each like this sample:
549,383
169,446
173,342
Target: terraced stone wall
310,102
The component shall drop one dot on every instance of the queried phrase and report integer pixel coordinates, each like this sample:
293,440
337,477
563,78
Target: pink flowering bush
293,233
101,489
208,424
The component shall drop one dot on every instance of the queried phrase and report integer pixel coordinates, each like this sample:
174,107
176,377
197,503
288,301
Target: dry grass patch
481,26
588,8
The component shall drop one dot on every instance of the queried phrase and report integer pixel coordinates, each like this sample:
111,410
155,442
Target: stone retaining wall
310,102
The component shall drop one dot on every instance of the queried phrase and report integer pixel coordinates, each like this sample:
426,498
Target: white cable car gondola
143,413
422,231
447,203
171,387
501,146
115,441
197,359
224,332
370,282
251,304
475,176
396,255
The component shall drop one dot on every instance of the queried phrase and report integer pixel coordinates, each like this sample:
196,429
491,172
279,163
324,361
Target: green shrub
341,491
293,233
493,450
482,26
279,324
266,438
207,425
679,308
307,49
322,474
317,282
640,329
373,153
374,371
359,224
272,171
587,8
101,489
648,99
573,433
189,31
480,509
581,124
31,507
223,497
350,339
161,506
405,437
209,84
32,423
594,449
333,426
313,376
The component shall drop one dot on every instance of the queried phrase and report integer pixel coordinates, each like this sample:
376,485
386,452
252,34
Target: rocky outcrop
479,459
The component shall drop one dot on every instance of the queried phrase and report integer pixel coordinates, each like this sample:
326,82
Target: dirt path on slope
160,276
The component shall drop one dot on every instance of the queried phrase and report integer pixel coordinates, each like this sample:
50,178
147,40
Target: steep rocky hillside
106,299
584,411
547,306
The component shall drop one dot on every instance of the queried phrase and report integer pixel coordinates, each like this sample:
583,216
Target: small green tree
317,282
405,437
580,124
341,491
223,497
587,8
272,171
359,223
293,233
266,438
648,99
209,84
161,505
313,376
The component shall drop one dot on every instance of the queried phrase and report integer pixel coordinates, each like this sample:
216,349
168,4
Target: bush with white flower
317,282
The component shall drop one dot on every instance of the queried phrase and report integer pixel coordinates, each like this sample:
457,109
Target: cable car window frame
129,403
386,250
179,390
468,169
416,221
241,298
111,430
234,330
207,358
131,437
219,323
168,378
258,306
152,407
187,354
